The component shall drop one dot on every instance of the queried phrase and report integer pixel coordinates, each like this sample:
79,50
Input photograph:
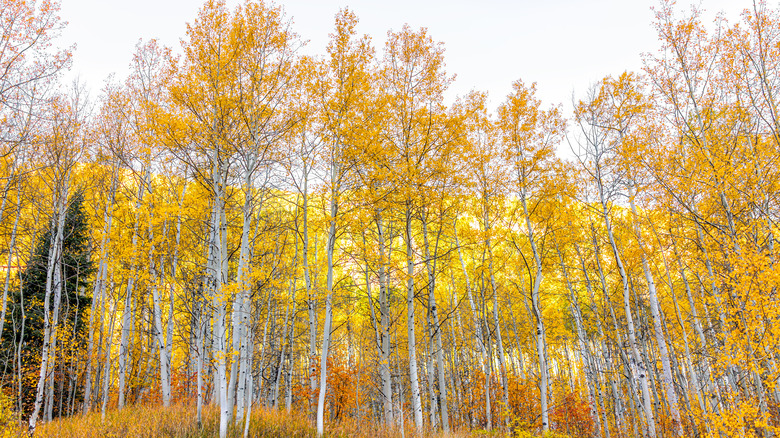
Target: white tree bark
413,373
430,264
582,340
127,313
477,329
240,307
668,380
159,333
541,343
384,322
53,284
638,363
98,294
107,364
334,210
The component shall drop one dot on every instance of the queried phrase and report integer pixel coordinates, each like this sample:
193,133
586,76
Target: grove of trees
238,224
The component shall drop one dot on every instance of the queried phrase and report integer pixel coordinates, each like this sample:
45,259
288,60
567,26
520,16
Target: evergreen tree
77,271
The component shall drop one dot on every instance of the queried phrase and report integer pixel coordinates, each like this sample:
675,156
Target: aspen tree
342,86
412,79
202,134
61,150
604,119
528,136
267,51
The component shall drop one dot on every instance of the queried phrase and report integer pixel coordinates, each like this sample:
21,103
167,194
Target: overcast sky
563,45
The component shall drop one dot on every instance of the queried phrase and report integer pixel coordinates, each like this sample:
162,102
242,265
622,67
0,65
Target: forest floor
178,421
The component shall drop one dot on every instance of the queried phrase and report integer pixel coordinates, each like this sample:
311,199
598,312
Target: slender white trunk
289,340
172,291
582,340
107,364
280,367
240,308
636,359
334,208
249,382
499,338
413,374
668,380
219,305
384,337
310,296
127,315
199,366
160,336
477,328
98,296
53,284
430,264
541,339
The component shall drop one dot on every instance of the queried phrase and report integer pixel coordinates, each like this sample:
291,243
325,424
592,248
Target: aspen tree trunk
637,361
172,291
215,271
541,343
500,344
280,363
381,329
160,336
227,300
708,396
310,297
290,363
124,343
53,284
519,355
334,210
384,316
98,299
127,316
107,364
413,377
11,244
694,375
270,316
48,404
430,265
289,338
21,339
249,382
618,398
98,293
477,328
429,373
240,307
201,330
668,380
454,357
374,322
726,328
647,353
489,345
582,339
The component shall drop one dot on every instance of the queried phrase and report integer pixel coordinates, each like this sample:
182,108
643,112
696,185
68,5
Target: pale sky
563,45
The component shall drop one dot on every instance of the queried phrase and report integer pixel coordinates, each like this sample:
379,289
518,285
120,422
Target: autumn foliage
242,240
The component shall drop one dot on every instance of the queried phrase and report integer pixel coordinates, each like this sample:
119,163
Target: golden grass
178,421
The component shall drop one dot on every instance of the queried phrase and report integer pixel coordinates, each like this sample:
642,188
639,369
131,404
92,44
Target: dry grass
179,421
